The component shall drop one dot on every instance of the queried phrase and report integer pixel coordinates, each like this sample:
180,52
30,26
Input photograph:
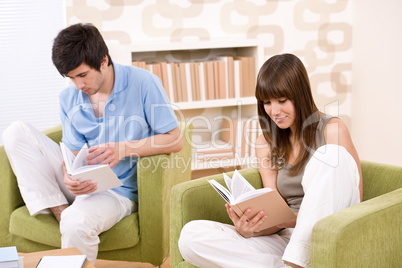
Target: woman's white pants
330,183
37,163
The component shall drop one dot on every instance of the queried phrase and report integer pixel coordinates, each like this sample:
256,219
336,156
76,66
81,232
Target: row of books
237,140
223,77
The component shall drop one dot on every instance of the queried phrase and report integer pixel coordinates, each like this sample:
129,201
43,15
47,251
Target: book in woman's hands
78,169
242,195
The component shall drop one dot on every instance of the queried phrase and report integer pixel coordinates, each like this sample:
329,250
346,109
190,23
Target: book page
222,191
80,159
228,181
86,168
68,157
251,194
239,185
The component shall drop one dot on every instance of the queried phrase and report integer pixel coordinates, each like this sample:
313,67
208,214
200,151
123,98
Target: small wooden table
32,259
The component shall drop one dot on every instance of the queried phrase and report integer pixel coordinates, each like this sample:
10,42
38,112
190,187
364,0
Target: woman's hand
106,154
247,228
76,187
288,224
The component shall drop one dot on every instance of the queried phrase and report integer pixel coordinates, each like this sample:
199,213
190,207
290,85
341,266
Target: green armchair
141,237
365,235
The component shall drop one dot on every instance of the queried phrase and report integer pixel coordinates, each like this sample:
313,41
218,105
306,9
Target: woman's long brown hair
285,76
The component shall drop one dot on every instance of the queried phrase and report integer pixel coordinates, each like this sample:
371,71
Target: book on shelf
246,73
78,169
220,80
170,81
189,83
251,76
183,81
237,78
241,195
234,140
241,134
176,82
229,75
9,257
242,73
160,69
155,68
243,142
165,78
228,132
195,81
216,149
222,77
215,156
139,63
209,80
252,132
215,68
202,81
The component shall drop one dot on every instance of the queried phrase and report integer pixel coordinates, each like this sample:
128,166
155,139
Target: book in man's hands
78,169
242,195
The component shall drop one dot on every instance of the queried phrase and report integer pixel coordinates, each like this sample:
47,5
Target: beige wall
350,48
318,31
376,83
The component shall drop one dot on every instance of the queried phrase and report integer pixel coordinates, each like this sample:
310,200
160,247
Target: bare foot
58,210
292,264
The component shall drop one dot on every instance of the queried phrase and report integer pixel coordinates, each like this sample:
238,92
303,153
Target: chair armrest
10,196
195,200
156,175
365,235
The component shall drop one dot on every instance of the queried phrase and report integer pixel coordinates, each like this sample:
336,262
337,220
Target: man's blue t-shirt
137,108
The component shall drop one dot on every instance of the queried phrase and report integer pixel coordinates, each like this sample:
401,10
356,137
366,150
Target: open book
78,169
242,195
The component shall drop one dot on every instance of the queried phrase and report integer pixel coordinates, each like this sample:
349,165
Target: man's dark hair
77,44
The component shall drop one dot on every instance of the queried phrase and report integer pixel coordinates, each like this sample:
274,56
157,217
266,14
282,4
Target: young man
120,112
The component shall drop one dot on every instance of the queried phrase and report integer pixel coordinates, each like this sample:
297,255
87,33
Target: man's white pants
330,183
37,163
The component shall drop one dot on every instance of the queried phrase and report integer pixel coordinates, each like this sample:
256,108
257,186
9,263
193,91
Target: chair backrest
55,133
379,179
156,175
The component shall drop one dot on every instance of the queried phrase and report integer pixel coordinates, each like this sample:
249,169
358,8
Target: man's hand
76,187
247,228
106,154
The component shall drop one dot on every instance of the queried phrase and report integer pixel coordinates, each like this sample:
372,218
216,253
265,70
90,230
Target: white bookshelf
213,103
205,115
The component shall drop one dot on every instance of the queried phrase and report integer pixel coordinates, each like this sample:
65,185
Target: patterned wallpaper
318,31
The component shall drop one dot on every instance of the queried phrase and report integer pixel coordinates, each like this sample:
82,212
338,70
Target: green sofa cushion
44,229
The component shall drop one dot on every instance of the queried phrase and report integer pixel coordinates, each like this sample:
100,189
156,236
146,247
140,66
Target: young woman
308,156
